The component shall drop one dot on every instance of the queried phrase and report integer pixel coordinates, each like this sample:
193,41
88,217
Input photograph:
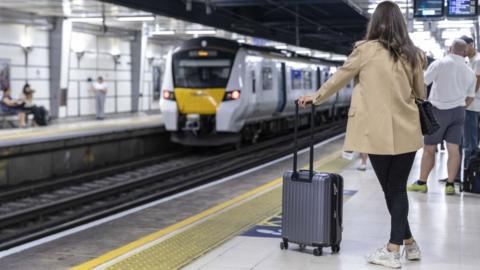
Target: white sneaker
386,258
362,167
412,252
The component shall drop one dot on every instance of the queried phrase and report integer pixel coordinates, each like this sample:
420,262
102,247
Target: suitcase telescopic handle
295,138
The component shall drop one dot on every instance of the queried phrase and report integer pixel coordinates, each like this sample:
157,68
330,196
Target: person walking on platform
453,89
383,120
470,138
100,89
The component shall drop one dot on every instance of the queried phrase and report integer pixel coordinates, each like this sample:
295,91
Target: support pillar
59,54
138,50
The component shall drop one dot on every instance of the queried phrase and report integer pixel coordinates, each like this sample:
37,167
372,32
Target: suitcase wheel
283,245
318,252
335,248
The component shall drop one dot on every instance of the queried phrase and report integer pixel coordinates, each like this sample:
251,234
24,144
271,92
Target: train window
307,79
296,76
267,78
201,73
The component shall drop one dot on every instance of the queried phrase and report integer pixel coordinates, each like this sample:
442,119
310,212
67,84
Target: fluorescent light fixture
455,24
201,32
307,52
86,19
338,58
135,18
163,32
322,55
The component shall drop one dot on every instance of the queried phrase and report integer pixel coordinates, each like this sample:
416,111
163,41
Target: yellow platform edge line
153,236
65,130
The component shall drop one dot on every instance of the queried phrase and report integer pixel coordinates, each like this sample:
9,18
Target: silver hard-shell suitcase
311,204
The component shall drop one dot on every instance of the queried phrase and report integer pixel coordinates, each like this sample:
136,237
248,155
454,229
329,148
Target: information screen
428,8
462,8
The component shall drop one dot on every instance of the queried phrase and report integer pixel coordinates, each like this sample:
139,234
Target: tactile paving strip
185,246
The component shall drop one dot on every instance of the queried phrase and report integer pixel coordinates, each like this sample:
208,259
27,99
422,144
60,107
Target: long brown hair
388,26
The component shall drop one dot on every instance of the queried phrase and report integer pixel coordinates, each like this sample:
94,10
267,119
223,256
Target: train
217,91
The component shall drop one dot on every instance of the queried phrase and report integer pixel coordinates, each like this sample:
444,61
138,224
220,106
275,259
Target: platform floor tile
185,245
447,229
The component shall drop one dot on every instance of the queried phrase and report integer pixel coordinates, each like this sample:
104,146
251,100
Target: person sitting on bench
40,114
12,106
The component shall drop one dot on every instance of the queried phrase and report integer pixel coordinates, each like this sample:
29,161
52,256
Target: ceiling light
135,18
307,52
201,32
86,19
455,24
163,32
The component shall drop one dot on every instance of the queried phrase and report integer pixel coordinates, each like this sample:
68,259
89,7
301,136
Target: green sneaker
417,188
450,190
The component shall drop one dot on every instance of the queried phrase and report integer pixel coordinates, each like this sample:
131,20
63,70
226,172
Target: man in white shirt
100,89
470,138
453,89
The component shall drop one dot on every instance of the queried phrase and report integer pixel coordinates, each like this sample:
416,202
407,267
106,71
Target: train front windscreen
201,69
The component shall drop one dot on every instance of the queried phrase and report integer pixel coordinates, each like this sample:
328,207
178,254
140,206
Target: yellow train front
216,91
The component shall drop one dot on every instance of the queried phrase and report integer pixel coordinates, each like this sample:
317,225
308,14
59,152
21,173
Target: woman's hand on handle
304,101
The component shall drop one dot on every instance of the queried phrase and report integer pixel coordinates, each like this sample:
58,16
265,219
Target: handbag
428,122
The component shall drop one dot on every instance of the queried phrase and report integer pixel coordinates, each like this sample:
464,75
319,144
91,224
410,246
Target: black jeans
392,172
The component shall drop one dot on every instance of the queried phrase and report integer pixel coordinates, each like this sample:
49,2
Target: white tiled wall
98,61
37,73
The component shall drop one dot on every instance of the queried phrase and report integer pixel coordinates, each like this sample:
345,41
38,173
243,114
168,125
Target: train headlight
168,95
232,95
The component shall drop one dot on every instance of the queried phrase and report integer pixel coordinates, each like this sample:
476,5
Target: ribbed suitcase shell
312,210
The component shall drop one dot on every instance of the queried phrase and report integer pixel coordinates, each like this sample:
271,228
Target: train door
267,97
319,78
251,85
282,87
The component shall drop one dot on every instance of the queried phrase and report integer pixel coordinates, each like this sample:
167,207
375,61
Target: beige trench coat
383,118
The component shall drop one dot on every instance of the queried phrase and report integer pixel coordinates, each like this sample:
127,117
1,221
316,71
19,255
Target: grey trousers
100,104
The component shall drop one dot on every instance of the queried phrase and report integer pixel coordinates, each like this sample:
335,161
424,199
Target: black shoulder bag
425,110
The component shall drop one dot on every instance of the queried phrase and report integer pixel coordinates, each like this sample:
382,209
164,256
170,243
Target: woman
383,117
9,105
40,114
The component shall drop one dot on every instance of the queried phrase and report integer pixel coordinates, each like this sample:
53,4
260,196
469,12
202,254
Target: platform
233,224
70,129
72,146
447,229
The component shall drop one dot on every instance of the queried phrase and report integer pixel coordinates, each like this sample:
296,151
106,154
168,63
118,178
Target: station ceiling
327,25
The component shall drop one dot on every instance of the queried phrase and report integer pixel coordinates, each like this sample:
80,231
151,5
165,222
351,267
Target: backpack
40,115
471,178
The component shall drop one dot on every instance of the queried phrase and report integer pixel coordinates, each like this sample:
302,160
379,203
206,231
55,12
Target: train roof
234,46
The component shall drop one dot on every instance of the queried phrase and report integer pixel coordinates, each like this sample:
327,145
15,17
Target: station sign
436,8
462,8
428,8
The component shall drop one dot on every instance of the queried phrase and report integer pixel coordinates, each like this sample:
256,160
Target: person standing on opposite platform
453,89
383,120
470,138
100,89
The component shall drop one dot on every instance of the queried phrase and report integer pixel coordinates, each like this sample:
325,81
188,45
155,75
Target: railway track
33,212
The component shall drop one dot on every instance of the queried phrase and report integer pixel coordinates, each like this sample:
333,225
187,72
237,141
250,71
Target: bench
9,119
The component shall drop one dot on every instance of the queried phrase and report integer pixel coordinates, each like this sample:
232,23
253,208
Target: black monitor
428,8
462,8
